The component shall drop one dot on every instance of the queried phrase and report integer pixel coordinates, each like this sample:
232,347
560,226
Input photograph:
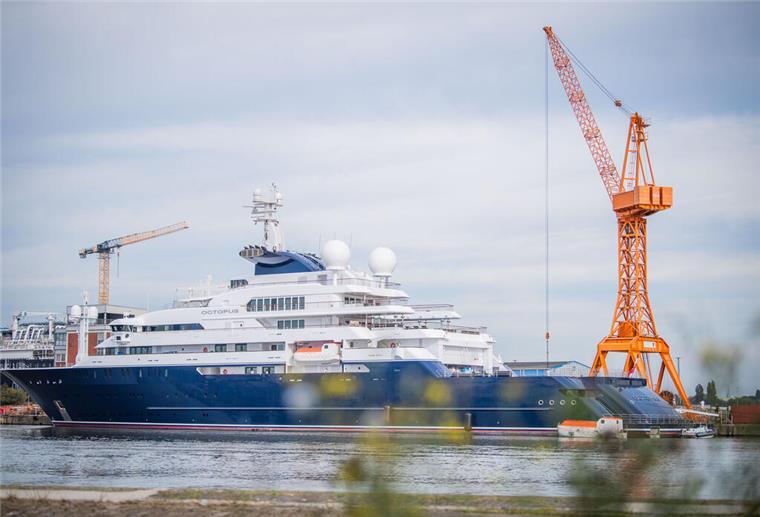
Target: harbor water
714,469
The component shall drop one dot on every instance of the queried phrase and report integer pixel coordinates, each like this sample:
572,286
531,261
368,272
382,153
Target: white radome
92,313
382,261
75,311
336,255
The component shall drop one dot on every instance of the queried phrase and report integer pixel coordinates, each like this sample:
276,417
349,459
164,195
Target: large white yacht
308,343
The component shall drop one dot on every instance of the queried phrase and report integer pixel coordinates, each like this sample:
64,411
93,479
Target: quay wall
24,420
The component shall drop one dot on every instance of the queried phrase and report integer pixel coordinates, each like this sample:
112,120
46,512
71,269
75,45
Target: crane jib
106,248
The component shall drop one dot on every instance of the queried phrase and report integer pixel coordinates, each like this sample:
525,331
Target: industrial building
32,343
540,368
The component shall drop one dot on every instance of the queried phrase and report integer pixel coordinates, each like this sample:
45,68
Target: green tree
11,396
699,394
712,394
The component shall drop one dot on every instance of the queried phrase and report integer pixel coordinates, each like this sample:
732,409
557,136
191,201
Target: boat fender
393,345
224,371
205,349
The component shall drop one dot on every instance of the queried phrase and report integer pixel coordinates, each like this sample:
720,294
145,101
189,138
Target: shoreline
60,500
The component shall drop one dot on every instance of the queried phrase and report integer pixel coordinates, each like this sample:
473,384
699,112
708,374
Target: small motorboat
701,431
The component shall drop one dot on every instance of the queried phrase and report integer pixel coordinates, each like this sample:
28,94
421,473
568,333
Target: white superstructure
328,319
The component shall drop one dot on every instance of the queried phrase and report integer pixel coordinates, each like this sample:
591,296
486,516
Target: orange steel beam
634,196
590,129
104,276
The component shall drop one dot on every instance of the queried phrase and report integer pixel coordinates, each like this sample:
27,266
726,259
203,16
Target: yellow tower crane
634,196
106,248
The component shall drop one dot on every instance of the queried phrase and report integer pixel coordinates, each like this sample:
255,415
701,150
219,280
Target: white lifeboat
606,427
317,352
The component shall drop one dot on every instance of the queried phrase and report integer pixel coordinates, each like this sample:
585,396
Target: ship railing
26,345
643,419
413,325
322,279
202,292
281,305
399,324
430,307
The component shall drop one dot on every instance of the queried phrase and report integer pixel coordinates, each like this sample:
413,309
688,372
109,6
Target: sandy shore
35,501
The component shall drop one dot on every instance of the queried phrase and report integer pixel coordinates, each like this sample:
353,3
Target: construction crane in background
106,248
634,196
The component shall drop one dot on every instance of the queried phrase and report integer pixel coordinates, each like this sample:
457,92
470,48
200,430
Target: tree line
710,397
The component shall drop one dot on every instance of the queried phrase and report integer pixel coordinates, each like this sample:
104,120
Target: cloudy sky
419,127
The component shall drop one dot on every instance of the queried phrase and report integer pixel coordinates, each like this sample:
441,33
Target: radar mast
264,210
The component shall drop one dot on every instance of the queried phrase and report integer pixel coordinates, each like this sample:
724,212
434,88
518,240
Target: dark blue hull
407,396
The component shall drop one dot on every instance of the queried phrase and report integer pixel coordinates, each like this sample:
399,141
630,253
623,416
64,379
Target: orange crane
634,196
106,248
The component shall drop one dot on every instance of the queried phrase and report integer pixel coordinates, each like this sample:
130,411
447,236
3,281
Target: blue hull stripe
341,408
234,427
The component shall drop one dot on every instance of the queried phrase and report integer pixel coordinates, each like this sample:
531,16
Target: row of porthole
561,402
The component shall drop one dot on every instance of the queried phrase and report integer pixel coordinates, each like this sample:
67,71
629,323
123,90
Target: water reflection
310,461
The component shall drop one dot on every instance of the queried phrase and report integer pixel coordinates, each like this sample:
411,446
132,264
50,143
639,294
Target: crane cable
546,200
617,102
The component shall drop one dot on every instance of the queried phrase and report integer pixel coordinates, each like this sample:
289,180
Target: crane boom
106,248
591,132
118,242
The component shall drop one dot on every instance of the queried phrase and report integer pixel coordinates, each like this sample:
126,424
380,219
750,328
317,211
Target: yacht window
241,347
251,370
267,370
137,350
220,348
165,328
276,304
290,324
